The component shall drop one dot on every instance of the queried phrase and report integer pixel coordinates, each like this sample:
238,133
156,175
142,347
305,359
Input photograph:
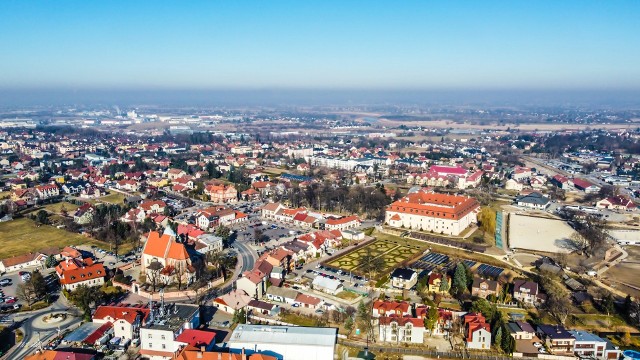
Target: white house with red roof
47,191
477,332
401,329
619,202
126,320
342,223
75,272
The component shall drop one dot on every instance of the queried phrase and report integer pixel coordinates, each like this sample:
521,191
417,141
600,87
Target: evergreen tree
431,319
459,285
444,285
497,338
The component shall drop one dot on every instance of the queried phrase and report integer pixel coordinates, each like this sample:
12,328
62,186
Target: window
150,337
162,337
122,328
150,345
164,346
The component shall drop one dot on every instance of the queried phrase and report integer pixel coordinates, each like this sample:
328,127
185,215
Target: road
246,254
35,332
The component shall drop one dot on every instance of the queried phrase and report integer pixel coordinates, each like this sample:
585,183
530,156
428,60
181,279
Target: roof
448,170
196,337
555,331
527,285
282,292
20,259
126,313
164,247
290,335
391,306
435,205
191,353
84,273
326,283
533,198
343,220
307,299
492,284
401,320
403,273
91,339
581,183
271,206
585,336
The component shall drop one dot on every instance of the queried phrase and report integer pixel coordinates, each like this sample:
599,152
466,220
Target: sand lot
625,274
539,234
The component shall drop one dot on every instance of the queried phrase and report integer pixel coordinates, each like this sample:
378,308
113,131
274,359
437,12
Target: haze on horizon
61,51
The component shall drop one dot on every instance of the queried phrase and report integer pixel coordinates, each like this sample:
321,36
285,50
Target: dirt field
539,234
625,275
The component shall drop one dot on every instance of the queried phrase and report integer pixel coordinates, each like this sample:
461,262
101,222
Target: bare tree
153,274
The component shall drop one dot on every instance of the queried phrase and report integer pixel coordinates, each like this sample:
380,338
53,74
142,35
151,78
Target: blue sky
320,44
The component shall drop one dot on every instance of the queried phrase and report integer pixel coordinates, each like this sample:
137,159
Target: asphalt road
247,254
33,334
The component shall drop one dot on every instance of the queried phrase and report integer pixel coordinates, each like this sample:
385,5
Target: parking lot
349,281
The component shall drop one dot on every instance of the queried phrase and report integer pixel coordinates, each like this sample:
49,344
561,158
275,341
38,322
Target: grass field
57,207
115,198
22,236
392,251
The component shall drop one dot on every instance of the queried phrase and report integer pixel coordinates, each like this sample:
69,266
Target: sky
307,44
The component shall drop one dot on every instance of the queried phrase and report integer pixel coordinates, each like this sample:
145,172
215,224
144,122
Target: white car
542,350
537,344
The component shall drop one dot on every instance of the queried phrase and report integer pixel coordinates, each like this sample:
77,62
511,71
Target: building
221,193
562,182
556,338
534,200
20,262
126,320
591,346
327,285
401,329
585,186
342,223
526,291
281,294
483,288
477,332
197,353
616,203
391,308
164,259
158,336
285,342
253,283
429,211
434,283
75,272
47,191
404,278
232,301
520,330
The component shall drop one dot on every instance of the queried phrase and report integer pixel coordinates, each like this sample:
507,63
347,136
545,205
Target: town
256,235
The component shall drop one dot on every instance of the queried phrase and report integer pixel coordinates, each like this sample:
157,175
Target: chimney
219,355
244,356
203,348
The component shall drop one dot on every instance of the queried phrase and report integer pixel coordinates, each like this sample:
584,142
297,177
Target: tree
497,338
608,305
431,320
364,319
42,217
487,220
444,285
240,316
459,285
484,307
508,344
348,325
153,274
83,297
370,263
33,289
51,261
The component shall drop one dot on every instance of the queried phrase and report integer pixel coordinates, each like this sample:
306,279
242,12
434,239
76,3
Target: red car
10,301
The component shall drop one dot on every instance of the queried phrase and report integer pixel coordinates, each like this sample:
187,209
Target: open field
539,234
392,251
624,276
22,236
447,124
115,198
57,207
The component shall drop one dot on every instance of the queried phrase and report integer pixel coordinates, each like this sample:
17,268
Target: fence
135,288
434,354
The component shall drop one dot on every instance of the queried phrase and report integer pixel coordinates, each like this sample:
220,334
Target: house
173,174
153,206
197,353
67,354
556,338
586,186
445,322
526,291
562,182
126,320
232,301
308,301
521,173
261,307
343,223
401,329
19,262
284,295
391,308
428,211
534,200
84,214
483,288
619,202
158,336
75,272
477,332
520,330
166,260
404,278
47,191
327,285
591,346
254,283
513,184
434,283
270,210
207,243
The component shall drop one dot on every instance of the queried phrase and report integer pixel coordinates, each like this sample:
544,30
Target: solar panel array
431,261
469,263
488,270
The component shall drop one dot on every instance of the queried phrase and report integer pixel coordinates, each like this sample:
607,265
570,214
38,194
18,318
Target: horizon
316,46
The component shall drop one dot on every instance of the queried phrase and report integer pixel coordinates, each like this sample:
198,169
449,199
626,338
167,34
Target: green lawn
115,198
347,295
57,207
22,236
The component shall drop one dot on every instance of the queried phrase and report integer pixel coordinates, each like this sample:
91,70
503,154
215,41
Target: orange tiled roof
85,273
126,313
